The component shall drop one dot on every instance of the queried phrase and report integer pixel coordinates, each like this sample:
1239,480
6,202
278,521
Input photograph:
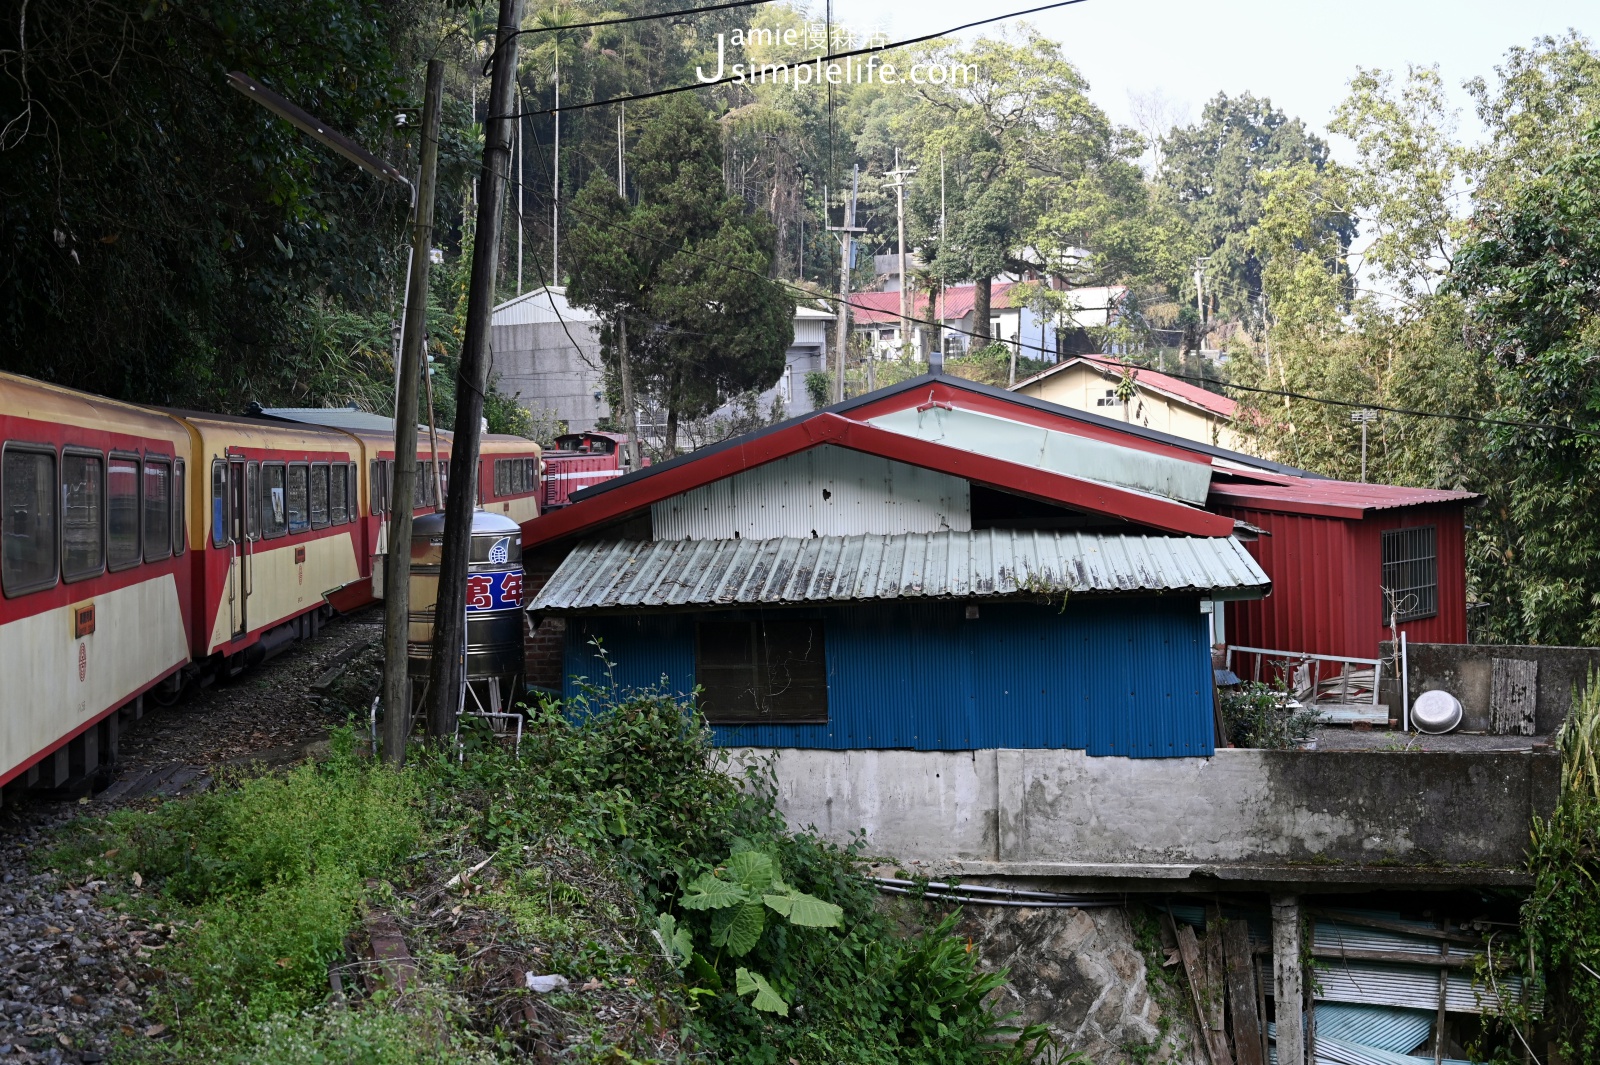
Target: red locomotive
582,460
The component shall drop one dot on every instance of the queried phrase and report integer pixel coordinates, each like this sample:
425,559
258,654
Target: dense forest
168,242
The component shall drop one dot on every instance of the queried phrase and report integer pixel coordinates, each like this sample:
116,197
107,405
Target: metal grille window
761,672
1410,573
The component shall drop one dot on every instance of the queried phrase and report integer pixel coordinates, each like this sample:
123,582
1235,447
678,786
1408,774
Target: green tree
1210,174
1530,271
684,271
162,234
1035,172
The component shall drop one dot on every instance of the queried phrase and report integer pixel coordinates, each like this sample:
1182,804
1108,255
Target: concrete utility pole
1363,417
449,614
900,174
630,406
555,196
396,690
846,246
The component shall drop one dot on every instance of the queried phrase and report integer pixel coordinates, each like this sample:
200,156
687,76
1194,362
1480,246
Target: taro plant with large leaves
739,895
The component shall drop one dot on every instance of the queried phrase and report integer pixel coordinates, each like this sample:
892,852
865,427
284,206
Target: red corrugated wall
1326,582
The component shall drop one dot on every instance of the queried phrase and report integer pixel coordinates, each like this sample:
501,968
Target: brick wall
542,647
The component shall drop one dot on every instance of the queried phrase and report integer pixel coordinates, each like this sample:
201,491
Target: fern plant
740,893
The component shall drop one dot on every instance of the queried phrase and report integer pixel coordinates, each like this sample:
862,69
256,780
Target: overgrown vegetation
1259,715
614,851
1560,952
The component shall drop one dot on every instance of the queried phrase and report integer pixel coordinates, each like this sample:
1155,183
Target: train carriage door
239,534
253,525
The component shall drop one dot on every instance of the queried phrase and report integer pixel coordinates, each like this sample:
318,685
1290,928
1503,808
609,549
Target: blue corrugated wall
1116,677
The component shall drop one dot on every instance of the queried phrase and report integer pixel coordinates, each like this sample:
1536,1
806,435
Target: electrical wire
803,293
873,50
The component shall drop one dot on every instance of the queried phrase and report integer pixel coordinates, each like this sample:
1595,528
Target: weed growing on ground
263,877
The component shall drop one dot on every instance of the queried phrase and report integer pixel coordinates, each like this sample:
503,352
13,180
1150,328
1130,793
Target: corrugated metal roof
1050,449
987,562
1319,492
341,418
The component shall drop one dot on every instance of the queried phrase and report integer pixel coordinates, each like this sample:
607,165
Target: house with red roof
875,319
941,523
1158,401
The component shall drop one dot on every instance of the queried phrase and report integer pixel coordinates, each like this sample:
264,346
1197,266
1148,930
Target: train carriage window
377,489
83,515
157,496
180,532
319,496
252,501
422,491
219,504
338,495
274,501
122,512
531,474
28,495
297,499
500,488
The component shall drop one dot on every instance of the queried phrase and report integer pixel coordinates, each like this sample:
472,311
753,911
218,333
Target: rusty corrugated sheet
944,565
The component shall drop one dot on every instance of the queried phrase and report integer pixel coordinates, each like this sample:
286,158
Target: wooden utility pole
846,246
414,332
396,690
445,678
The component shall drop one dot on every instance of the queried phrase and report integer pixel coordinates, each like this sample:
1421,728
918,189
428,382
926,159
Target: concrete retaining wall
1319,816
1465,671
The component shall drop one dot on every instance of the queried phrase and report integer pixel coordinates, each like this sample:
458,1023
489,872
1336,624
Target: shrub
1258,715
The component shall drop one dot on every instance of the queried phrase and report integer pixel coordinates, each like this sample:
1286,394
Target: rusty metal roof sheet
956,565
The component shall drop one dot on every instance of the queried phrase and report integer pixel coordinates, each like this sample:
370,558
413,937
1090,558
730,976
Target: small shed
932,567
1345,559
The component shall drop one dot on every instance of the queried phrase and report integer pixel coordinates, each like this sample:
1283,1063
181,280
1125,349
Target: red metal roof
1334,499
628,495
870,308
1189,393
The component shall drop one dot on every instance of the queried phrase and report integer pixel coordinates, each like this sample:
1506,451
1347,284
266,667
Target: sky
1299,54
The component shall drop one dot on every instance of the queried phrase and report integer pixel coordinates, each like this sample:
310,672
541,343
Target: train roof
263,431
44,401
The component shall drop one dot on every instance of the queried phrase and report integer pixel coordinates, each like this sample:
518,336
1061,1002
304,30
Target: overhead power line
873,50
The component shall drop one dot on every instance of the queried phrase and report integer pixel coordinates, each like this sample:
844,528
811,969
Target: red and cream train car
145,547
98,568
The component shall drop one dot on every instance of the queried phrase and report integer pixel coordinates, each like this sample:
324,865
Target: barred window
761,672
1410,573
